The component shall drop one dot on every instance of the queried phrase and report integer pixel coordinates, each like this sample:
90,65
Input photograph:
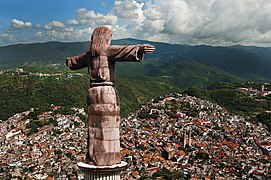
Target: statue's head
100,39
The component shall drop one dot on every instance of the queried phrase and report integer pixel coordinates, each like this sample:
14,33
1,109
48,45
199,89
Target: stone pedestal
92,172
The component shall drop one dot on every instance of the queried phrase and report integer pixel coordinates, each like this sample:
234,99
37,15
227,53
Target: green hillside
171,68
39,53
249,62
177,71
20,92
252,107
236,101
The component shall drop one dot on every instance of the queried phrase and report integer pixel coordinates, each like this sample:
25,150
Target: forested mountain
224,63
172,68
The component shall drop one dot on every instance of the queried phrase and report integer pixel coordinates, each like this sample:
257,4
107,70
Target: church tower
189,137
184,138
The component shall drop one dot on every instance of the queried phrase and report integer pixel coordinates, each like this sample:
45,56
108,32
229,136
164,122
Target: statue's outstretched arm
147,48
130,53
78,62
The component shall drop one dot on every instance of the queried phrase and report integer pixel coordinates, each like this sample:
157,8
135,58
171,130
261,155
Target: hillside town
195,137
23,73
254,92
186,137
49,153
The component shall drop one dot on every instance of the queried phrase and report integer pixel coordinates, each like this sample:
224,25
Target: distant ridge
243,62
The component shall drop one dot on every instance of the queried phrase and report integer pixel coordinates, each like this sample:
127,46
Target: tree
203,156
58,152
265,119
53,121
69,155
164,173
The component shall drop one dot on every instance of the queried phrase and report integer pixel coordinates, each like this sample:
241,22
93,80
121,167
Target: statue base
92,172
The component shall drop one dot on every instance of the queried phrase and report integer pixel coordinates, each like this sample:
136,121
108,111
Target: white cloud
57,31
54,25
7,38
120,32
154,21
213,22
73,22
39,34
65,34
38,26
83,13
70,34
20,24
128,9
130,14
90,18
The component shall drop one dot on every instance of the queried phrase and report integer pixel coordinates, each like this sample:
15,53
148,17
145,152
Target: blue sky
43,11
211,22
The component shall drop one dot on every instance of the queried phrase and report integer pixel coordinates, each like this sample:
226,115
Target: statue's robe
103,142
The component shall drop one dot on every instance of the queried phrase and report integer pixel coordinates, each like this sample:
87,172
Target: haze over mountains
170,62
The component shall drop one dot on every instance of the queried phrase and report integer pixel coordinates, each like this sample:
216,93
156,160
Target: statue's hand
147,48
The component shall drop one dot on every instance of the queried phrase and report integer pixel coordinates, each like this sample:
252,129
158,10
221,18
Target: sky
210,22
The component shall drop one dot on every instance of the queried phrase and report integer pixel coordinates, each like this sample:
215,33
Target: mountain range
182,65
171,68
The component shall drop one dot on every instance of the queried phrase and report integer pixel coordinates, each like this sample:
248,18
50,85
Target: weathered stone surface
103,125
102,95
105,133
104,121
103,102
101,159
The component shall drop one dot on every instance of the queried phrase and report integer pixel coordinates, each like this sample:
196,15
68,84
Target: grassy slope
20,93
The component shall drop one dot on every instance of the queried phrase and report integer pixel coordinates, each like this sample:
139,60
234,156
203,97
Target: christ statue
103,141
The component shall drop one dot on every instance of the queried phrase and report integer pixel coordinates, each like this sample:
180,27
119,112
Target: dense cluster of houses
202,140
253,92
177,132
22,72
50,153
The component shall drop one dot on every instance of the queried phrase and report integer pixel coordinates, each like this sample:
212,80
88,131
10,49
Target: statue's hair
100,39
